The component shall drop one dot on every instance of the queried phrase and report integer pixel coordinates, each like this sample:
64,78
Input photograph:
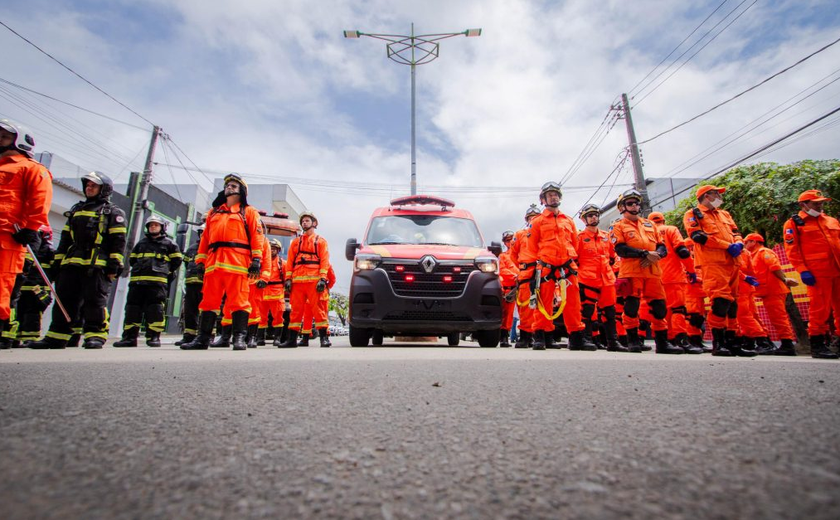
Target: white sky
272,89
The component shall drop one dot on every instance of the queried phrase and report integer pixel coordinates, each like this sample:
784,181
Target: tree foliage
761,197
338,304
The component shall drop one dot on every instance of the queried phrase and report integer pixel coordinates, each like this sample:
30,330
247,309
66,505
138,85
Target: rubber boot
224,339
697,341
74,341
579,341
153,339
622,340
253,330
786,349
634,343
129,338
524,339
48,343
819,349
261,337
719,346
688,347
764,346
325,338
186,339
539,340
291,340
734,344
205,330
504,338
239,328
93,343
663,346
304,340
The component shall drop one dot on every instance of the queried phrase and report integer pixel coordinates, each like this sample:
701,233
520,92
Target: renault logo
428,263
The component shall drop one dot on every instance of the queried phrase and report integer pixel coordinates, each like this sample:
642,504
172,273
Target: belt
237,245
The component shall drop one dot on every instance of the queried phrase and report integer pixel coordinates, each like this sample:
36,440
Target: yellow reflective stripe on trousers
227,267
159,279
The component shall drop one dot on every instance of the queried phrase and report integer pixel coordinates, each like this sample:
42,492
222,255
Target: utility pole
638,173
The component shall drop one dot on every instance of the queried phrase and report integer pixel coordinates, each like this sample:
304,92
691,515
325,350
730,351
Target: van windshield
424,229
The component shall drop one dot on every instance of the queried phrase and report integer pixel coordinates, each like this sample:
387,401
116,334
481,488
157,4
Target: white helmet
157,219
24,141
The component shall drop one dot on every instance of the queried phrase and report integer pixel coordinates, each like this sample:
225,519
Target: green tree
338,304
761,197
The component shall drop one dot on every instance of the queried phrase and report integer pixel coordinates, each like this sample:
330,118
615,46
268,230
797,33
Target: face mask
814,213
716,203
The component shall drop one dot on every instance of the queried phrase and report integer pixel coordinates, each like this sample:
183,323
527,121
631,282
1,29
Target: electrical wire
169,137
50,56
163,148
600,133
621,159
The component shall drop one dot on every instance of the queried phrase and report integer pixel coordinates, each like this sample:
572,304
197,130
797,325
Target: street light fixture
413,49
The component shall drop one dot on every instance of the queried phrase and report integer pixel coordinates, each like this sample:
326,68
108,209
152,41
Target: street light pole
413,49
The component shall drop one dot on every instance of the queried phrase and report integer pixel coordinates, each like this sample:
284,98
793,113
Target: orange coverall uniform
525,261
772,291
226,250
307,263
596,256
721,271
324,302
645,282
273,296
254,292
508,276
675,269
695,298
748,323
27,195
554,239
814,245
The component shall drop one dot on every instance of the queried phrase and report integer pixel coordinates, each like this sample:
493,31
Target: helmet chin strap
556,204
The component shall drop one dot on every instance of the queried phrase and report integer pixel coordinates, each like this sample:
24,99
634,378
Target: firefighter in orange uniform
553,238
231,252
677,268
751,332
27,195
773,288
641,249
525,260
508,276
596,257
255,294
306,277
717,246
812,243
272,297
695,303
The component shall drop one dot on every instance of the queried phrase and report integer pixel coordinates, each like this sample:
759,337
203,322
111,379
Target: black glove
262,284
321,286
254,270
27,237
288,286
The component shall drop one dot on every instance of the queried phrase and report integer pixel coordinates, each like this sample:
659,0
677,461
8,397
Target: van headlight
366,262
487,264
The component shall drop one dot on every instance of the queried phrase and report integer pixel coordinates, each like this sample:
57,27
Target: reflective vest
154,260
308,260
94,236
232,237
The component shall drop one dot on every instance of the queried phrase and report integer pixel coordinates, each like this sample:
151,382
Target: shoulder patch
789,231
614,240
692,219
120,219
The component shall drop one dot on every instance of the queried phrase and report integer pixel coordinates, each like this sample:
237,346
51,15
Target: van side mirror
495,248
350,248
182,229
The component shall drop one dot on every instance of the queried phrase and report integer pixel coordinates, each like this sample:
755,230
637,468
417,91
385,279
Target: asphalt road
415,432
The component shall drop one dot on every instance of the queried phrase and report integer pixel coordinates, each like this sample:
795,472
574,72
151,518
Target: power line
169,138
622,158
736,96
171,173
50,56
589,144
677,47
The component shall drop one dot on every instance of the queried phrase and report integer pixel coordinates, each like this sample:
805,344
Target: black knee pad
658,309
679,310
587,310
733,310
609,312
631,306
696,320
720,306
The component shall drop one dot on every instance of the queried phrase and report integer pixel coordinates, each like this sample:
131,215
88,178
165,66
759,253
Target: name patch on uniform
648,224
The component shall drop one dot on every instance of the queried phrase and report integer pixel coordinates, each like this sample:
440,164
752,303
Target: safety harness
556,273
236,245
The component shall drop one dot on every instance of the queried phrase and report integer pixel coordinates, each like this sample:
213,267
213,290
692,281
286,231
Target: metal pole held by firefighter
46,279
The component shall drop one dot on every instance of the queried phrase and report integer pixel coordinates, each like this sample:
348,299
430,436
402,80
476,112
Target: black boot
186,339
504,338
524,339
48,343
93,343
261,337
304,340
539,340
634,343
224,339
325,338
719,346
786,349
683,342
253,330
152,338
291,340
239,327
622,340
697,341
663,346
736,346
74,341
205,330
129,338
764,346
579,341
819,349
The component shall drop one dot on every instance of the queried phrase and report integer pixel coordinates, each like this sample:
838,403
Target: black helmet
101,179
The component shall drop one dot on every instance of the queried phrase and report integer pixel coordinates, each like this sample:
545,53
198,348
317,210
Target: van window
424,229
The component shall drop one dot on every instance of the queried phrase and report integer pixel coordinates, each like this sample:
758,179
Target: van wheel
453,339
377,337
487,338
359,337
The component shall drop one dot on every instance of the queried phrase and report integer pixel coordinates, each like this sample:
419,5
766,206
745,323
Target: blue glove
808,279
735,249
752,281
692,277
